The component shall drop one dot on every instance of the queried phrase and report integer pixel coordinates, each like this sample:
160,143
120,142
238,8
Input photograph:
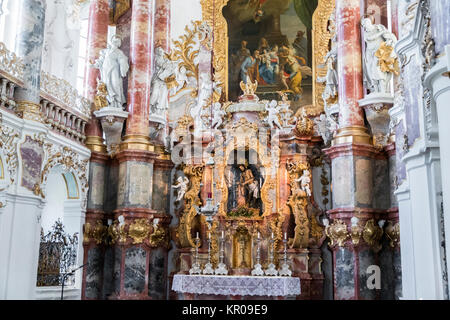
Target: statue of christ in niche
244,183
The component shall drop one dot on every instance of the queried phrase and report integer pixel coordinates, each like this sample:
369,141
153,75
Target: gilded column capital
29,110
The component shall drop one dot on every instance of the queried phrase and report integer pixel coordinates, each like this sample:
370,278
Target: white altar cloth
236,285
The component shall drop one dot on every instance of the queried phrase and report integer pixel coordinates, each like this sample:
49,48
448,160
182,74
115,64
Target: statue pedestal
376,106
112,120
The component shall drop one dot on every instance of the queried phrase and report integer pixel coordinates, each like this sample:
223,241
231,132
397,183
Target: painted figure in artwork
249,67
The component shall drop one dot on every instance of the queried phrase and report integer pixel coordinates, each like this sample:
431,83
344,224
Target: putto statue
218,116
164,68
272,117
380,61
304,182
113,66
182,185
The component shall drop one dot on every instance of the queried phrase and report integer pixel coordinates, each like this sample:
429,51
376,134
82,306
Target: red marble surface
162,24
139,80
97,40
349,63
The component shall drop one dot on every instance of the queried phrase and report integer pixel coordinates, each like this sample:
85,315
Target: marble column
30,40
97,40
95,211
133,253
162,24
359,171
139,81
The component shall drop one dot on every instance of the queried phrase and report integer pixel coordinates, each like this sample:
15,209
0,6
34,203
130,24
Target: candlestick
257,269
221,267
195,269
208,267
285,270
271,270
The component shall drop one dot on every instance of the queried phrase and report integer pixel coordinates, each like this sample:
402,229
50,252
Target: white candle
197,235
272,235
258,234
209,235
285,236
223,234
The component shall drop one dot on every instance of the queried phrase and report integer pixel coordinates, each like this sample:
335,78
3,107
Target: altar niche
244,176
270,42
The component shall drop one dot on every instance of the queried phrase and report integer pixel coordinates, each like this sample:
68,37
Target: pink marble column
140,65
162,24
349,63
97,40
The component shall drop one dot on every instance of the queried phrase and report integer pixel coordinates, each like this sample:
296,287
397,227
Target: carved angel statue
249,88
164,68
305,181
218,115
113,65
331,78
272,117
182,185
326,126
378,67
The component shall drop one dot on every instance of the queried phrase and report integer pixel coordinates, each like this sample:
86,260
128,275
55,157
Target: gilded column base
95,144
162,154
353,135
136,142
30,111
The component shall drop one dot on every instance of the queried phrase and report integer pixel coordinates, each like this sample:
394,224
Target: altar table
236,285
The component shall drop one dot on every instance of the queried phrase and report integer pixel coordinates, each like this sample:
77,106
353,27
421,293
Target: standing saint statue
113,65
376,36
159,97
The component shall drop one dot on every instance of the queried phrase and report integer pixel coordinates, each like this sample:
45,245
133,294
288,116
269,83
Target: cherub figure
217,116
305,181
182,185
272,117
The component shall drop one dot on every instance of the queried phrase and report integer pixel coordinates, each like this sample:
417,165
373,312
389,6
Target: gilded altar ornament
355,231
192,199
117,232
96,233
100,100
305,126
372,234
139,230
242,247
29,110
248,87
298,202
337,233
386,60
159,237
393,233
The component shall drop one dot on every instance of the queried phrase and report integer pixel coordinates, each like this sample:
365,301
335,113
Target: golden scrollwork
337,233
100,100
183,125
159,237
95,232
372,234
249,88
184,51
298,202
305,126
321,37
386,60
355,233
393,233
212,14
192,199
117,232
29,110
139,230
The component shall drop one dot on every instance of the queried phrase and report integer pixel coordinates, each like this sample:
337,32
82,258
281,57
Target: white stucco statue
182,185
218,115
376,75
326,126
159,97
305,181
272,117
113,65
